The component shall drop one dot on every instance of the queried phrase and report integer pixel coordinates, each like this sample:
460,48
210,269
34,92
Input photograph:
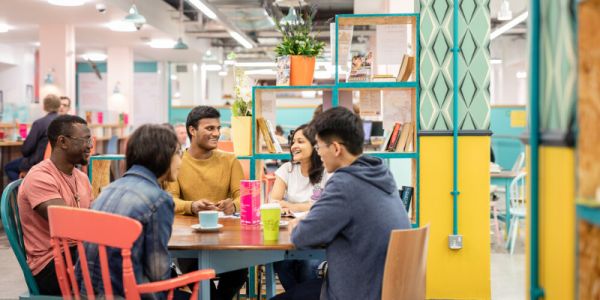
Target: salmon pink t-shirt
45,182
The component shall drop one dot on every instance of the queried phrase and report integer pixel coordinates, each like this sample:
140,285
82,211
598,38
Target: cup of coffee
208,218
270,215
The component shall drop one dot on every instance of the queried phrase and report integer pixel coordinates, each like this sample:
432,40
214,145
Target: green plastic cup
270,215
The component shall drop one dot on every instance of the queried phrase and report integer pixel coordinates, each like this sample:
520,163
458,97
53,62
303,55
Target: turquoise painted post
535,290
170,118
455,99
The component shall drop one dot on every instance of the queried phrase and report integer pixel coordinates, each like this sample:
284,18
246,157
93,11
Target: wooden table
233,247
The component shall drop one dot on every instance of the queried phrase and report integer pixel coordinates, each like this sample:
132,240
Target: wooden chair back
405,265
109,230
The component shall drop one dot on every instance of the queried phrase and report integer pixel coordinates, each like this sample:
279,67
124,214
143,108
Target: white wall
505,87
16,72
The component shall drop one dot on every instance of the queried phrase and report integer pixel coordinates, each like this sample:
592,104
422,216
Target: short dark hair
152,146
62,125
198,113
66,98
341,124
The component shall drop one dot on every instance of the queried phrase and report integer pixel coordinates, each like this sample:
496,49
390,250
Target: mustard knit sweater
214,179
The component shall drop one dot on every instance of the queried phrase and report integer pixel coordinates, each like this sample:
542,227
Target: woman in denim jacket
152,158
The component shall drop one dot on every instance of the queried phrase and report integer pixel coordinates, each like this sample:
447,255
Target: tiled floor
508,272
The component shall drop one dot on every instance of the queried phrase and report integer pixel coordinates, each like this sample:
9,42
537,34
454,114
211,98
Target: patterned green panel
558,65
436,64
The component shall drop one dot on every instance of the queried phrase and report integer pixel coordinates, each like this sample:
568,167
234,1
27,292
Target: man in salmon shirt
54,181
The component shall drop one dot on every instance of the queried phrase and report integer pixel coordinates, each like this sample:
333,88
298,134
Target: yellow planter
241,135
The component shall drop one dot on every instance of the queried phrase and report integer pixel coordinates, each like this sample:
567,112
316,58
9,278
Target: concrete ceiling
91,32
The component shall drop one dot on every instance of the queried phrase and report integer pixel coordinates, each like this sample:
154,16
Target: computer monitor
367,126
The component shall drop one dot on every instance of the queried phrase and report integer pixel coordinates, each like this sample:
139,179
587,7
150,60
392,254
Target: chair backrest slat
517,192
405,265
9,210
85,271
108,291
61,270
70,268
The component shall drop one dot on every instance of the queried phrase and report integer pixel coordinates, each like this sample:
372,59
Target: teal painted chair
12,227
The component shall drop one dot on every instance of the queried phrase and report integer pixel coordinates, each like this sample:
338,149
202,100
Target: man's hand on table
202,204
226,206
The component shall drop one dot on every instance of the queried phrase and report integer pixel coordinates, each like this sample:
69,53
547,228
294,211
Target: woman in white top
298,184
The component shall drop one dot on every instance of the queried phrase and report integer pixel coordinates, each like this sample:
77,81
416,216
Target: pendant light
291,17
180,45
135,18
504,14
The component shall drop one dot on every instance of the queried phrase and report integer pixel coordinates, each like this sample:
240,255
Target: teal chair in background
12,227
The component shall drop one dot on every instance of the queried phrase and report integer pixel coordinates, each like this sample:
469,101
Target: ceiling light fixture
135,17
204,8
162,43
180,45
67,2
222,73
509,25
495,61
121,26
504,14
291,17
4,28
94,56
521,74
240,39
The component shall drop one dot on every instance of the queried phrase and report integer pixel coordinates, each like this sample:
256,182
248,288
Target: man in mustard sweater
208,179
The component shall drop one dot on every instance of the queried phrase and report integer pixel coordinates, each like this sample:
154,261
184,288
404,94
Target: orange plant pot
302,69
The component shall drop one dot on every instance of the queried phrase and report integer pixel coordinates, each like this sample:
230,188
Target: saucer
197,227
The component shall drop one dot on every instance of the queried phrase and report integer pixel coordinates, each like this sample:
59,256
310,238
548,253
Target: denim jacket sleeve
157,260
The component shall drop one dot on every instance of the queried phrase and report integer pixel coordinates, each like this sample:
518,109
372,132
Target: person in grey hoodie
358,209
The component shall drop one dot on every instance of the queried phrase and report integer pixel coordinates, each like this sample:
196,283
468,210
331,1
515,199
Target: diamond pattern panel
558,72
436,64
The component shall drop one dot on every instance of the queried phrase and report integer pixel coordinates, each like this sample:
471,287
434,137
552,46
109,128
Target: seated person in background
298,184
358,209
279,135
54,181
36,142
152,159
208,180
65,105
182,136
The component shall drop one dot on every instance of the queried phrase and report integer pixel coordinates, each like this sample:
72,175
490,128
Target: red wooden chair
83,225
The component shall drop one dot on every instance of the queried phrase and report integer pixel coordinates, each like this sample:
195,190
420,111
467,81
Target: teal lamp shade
180,45
49,79
291,17
135,18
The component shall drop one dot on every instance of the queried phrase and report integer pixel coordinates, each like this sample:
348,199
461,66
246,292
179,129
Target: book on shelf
406,68
274,137
394,137
264,131
404,137
361,67
383,78
406,193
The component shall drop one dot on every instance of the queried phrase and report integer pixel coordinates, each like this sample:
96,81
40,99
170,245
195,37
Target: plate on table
197,227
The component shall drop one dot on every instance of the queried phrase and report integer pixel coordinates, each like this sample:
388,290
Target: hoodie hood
373,171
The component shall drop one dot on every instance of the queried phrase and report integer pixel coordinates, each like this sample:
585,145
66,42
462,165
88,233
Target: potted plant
299,43
241,114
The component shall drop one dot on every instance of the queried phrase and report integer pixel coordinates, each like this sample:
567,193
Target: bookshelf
386,94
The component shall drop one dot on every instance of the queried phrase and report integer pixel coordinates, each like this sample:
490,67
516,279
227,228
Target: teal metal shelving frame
335,102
